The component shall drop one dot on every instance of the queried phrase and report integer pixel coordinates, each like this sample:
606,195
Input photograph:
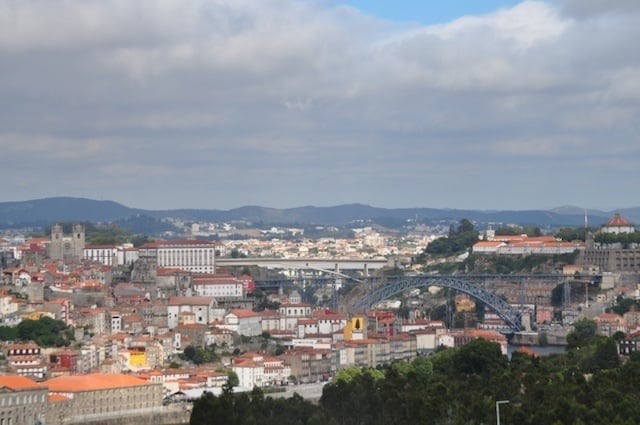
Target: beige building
97,396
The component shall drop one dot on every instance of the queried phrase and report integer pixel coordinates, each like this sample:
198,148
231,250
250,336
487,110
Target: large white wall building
111,255
190,255
217,286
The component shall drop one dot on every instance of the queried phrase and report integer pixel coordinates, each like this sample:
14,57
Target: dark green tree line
587,385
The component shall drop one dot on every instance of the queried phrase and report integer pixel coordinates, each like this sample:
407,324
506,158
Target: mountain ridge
39,212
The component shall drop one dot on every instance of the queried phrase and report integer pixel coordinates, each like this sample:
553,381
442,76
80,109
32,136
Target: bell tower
78,241
56,245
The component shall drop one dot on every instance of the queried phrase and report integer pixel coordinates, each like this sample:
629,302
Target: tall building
67,247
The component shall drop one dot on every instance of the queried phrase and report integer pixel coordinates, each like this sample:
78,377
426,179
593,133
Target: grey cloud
212,103
592,8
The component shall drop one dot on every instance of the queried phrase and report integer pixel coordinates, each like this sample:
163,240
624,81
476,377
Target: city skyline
216,105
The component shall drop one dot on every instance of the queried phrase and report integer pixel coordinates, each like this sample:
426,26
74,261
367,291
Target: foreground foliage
459,386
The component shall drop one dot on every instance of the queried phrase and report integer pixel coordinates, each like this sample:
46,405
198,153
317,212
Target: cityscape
319,212
168,318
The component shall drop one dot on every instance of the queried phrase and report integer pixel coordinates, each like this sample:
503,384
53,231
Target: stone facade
99,395
22,401
69,247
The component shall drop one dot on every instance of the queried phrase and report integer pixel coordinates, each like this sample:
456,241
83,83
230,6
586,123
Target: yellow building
37,315
464,303
137,359
355,329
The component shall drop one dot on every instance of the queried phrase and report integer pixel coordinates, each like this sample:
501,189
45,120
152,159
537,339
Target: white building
291,313
243,322
111,255
617,225
329,321
116,322
217,286
104,254
190,255
250,372
203,309
256,370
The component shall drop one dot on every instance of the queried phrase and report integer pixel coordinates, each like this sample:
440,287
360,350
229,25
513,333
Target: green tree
46,332
460,239
606,354
584,331
232,379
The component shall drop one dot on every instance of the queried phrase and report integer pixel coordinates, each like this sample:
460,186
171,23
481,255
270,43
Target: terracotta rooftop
617,220
93,382
17,382
190,300
244,313
57,398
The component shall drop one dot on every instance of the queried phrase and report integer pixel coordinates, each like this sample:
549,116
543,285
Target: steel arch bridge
512,316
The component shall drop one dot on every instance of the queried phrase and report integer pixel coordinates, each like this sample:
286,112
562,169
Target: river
543,351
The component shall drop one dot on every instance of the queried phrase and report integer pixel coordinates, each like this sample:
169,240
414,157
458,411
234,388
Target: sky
164,104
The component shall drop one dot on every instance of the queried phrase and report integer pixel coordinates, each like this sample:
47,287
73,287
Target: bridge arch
512,316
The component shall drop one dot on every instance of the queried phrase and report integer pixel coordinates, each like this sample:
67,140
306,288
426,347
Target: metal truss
512,316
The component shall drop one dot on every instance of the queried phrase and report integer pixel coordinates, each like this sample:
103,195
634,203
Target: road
307,391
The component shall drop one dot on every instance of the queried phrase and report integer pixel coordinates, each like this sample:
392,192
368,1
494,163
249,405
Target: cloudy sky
282,103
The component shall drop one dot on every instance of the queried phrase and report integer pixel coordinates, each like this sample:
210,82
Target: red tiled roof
617,220
244,313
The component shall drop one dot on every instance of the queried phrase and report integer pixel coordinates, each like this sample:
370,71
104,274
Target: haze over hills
41,212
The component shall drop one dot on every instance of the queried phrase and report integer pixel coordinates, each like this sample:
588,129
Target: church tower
78,241
56,245
69,247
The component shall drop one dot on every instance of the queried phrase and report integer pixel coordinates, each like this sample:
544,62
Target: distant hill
42,212
48,210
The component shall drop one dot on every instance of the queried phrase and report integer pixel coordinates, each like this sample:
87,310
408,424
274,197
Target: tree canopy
622,238
459,240
46,332
458,386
